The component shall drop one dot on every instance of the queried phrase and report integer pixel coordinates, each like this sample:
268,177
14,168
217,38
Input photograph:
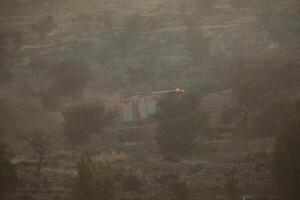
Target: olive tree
82,121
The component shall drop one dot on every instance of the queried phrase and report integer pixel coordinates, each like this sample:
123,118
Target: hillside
241,58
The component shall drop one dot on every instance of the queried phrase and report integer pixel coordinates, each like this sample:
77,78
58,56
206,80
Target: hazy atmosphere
149,100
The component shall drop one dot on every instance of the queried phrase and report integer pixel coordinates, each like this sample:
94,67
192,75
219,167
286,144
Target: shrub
44,26
94,181
40,148
286,164
8,172
81,121
206,7
197,45
179,189
131,183
70,80
179,120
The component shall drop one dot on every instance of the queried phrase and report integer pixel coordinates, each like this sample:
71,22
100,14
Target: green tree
140,73
105,53
197,45
70,80
107,18
82,121
286,164
44,26
8,171
283,25
144,71
206,6
124,42
179,123
179,189
94,181
134,23
10,43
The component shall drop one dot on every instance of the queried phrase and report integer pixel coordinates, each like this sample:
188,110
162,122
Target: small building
140,107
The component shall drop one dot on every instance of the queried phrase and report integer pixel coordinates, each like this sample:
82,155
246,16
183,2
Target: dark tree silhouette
286,165
124,42
206,7
70,80
134,23
82,121
8,172
180,122
40,147
197,45
44,26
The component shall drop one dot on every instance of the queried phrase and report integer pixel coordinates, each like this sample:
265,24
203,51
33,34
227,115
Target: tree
134,23
140,73
144,71
8,172
131,183
40,147
231,181
105,54
5,75
10,43
206,6
84,21
269,122
282,25
94,181
124,42
286,165
240,3
80,52
106,18
197,45
44,26
81,121
179,189
179,121
70,80
6,118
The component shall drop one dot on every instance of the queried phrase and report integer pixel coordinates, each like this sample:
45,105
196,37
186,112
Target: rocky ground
203,171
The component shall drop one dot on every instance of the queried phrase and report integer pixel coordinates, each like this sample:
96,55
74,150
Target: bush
206,7
44,26
286,164
8,172
94,181
197,45
70,80
179,189
81,121
179,120
131,183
